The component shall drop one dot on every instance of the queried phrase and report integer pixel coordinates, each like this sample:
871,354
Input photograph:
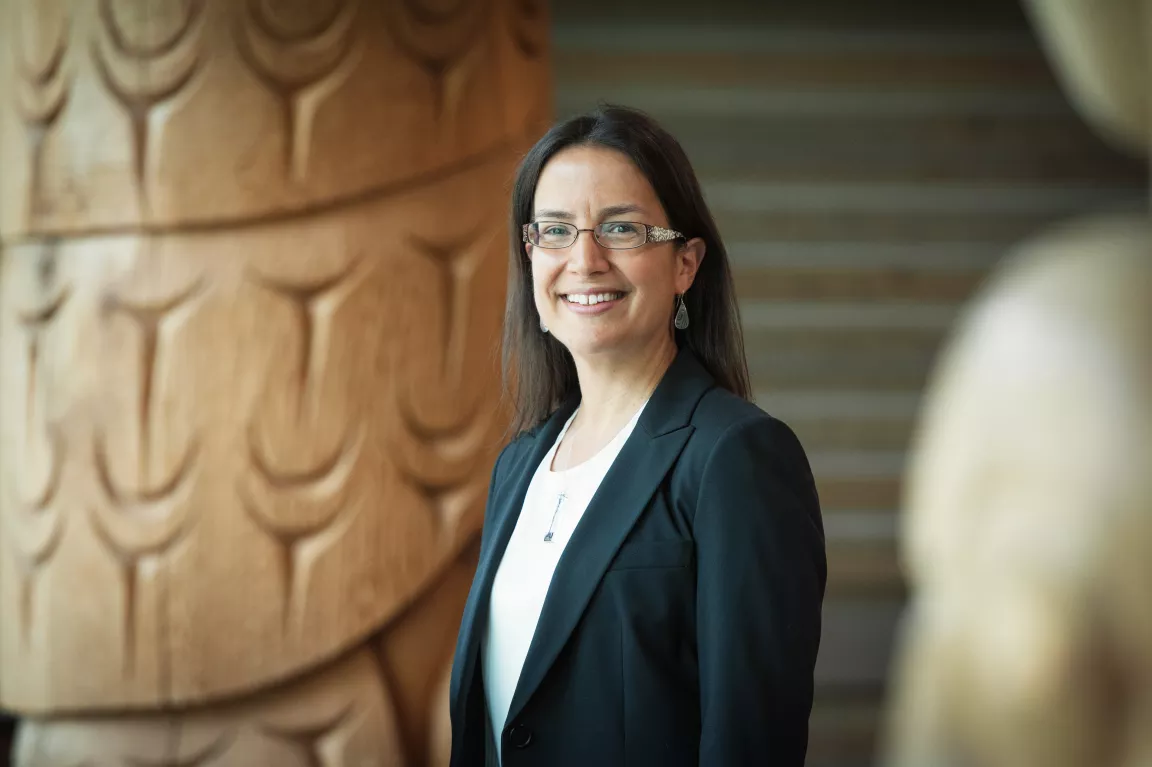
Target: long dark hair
538,371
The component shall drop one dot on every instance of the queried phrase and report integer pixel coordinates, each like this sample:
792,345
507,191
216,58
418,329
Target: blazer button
520,736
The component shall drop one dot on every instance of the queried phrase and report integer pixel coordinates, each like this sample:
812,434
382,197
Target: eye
620,227
555,231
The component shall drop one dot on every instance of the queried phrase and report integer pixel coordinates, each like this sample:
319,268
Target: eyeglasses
614,235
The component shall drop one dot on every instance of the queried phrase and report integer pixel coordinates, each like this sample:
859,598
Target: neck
612,388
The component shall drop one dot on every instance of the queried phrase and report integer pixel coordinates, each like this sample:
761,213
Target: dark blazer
682,623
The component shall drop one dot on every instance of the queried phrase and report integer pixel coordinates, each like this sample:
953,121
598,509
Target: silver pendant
559,500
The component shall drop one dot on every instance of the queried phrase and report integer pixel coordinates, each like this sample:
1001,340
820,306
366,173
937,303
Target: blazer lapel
623,495
502,516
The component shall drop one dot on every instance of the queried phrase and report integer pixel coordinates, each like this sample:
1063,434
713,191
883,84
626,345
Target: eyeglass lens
611,234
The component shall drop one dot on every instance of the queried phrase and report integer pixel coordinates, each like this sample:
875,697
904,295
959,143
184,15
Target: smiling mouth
591,299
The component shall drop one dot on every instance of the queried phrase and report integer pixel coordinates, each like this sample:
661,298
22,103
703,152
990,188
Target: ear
688,260
528,250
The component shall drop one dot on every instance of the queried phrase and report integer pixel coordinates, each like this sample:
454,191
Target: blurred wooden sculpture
1028,519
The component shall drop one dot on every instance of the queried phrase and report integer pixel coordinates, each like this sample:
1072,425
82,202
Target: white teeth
592,299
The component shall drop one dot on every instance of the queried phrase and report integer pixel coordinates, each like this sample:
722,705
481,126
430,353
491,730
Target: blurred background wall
867,162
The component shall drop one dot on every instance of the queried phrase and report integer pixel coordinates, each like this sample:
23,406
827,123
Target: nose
586,256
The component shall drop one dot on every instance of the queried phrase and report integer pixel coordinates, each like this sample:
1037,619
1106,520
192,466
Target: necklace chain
563,495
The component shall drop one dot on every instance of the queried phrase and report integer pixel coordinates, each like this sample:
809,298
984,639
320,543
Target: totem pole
251,284
1028,529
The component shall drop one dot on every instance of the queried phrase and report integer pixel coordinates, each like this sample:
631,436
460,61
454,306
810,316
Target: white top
526,570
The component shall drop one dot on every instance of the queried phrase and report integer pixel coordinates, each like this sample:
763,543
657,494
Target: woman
652,564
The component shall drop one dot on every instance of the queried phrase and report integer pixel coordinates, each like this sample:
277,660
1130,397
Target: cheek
656,281
543,276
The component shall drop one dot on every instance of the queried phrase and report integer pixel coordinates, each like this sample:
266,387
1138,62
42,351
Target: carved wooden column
252,277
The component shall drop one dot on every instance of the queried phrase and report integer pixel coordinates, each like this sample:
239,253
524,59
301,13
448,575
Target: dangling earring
681,321
543,327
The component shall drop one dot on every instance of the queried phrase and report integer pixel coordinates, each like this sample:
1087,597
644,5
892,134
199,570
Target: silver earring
543,327
681,321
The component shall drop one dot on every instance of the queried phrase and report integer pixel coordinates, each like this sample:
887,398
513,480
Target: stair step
839,404
863,256
856,641
863,554
729,103
829,227
787,65
844,728
848,434
869,493
864,283
799,315
887,369
912,199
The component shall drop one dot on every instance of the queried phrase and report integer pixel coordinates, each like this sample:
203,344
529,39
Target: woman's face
586,186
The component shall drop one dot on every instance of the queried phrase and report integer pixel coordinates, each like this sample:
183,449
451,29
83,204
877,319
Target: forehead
587,178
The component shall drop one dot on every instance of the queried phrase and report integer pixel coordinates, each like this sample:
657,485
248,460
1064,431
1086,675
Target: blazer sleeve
761,573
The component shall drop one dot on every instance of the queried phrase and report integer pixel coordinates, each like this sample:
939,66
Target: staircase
868,164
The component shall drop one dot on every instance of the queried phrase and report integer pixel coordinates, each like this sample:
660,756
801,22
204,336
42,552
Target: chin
590,344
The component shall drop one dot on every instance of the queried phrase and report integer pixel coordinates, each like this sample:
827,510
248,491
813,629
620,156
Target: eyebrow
609,212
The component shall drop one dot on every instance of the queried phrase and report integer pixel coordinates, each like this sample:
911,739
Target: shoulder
508,455
722,421
732,438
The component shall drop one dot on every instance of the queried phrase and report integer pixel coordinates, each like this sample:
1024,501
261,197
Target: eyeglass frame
652,233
